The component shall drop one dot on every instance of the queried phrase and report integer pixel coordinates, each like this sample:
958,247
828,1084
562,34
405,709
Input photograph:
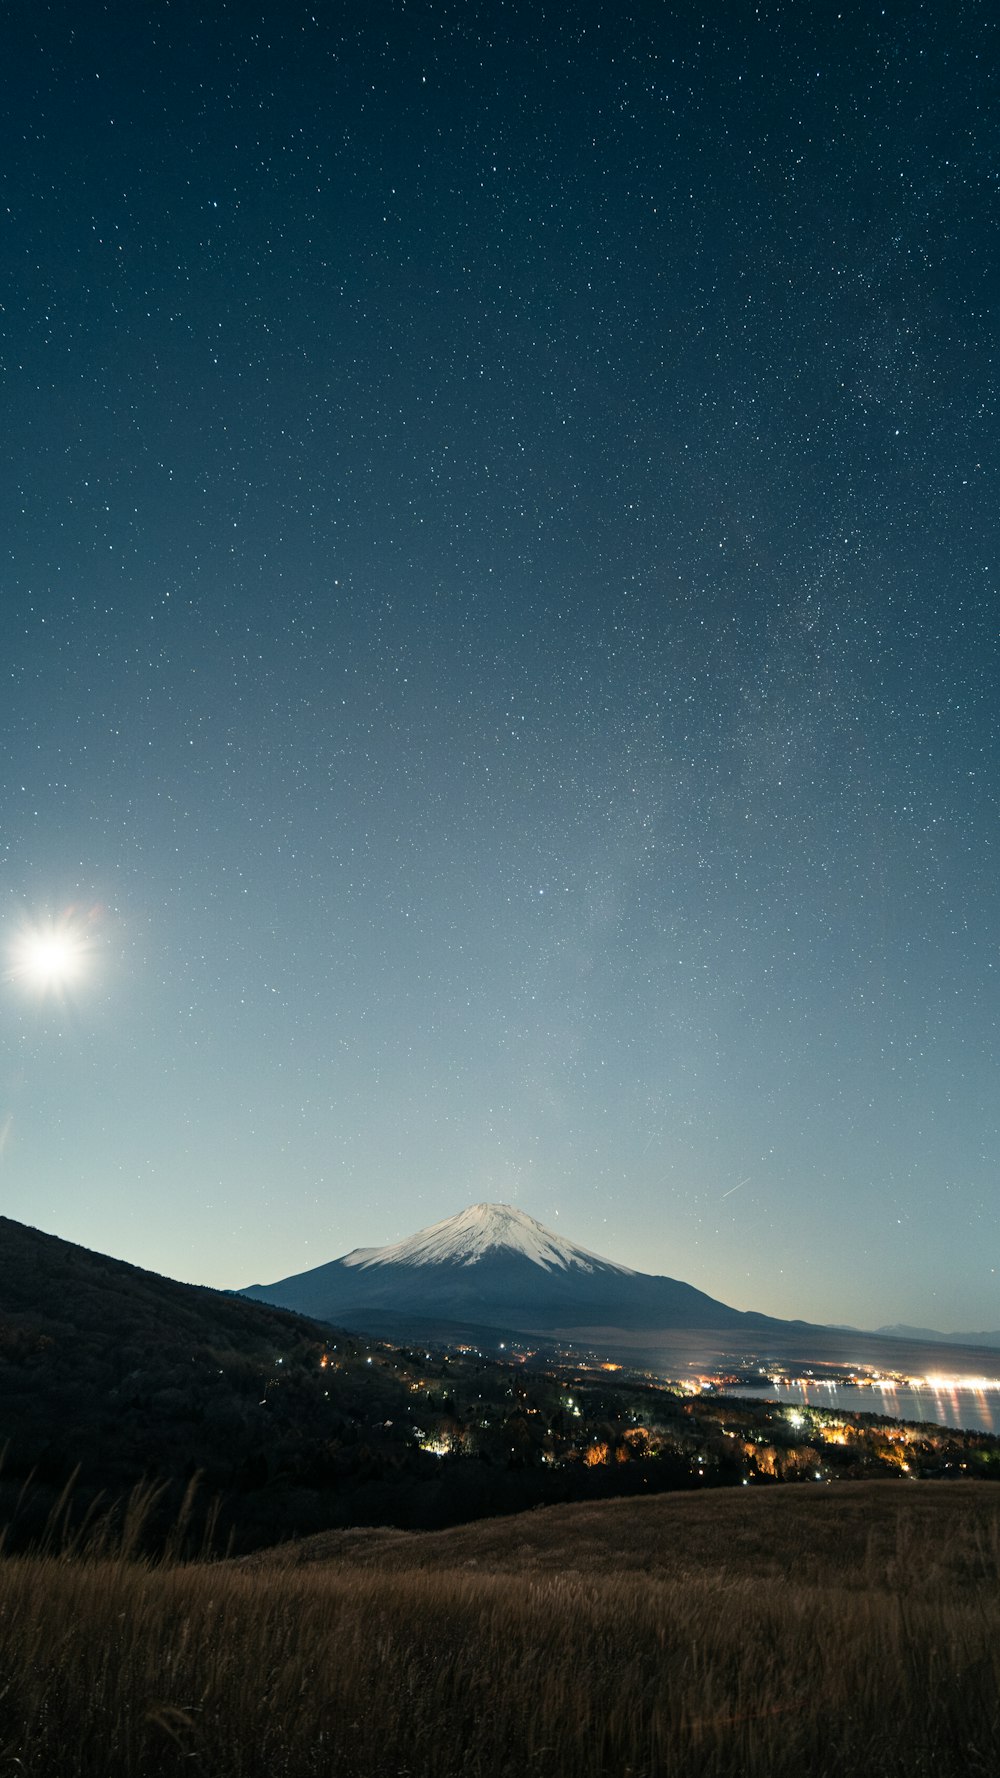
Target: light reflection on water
973,1410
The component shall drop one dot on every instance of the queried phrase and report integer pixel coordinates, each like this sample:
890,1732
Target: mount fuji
493,1271
493,1265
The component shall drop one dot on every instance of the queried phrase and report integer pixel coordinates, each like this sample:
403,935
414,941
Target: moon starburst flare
49,958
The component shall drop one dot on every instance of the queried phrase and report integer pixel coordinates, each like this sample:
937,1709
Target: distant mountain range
494,1266
900,1331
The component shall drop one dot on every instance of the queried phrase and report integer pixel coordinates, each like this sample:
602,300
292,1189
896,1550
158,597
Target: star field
500,610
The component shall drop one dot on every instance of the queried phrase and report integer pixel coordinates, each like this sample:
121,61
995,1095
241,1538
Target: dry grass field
838,1630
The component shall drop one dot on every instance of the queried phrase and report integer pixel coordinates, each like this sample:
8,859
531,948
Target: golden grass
847,1630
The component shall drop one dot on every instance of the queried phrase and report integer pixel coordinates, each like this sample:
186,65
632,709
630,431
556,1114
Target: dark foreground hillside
848,1632
855,1534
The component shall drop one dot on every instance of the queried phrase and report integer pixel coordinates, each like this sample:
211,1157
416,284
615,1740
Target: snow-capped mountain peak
481,1229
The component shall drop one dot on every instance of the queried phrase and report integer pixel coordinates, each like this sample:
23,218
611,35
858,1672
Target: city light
979,1384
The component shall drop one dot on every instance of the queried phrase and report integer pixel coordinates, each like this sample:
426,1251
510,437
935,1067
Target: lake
973,1410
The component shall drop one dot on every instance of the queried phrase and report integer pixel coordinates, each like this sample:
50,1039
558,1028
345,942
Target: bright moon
48,959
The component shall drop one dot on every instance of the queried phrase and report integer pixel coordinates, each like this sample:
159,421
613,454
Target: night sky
500,676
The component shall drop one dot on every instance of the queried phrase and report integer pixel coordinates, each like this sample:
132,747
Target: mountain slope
126,1375
494,1263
